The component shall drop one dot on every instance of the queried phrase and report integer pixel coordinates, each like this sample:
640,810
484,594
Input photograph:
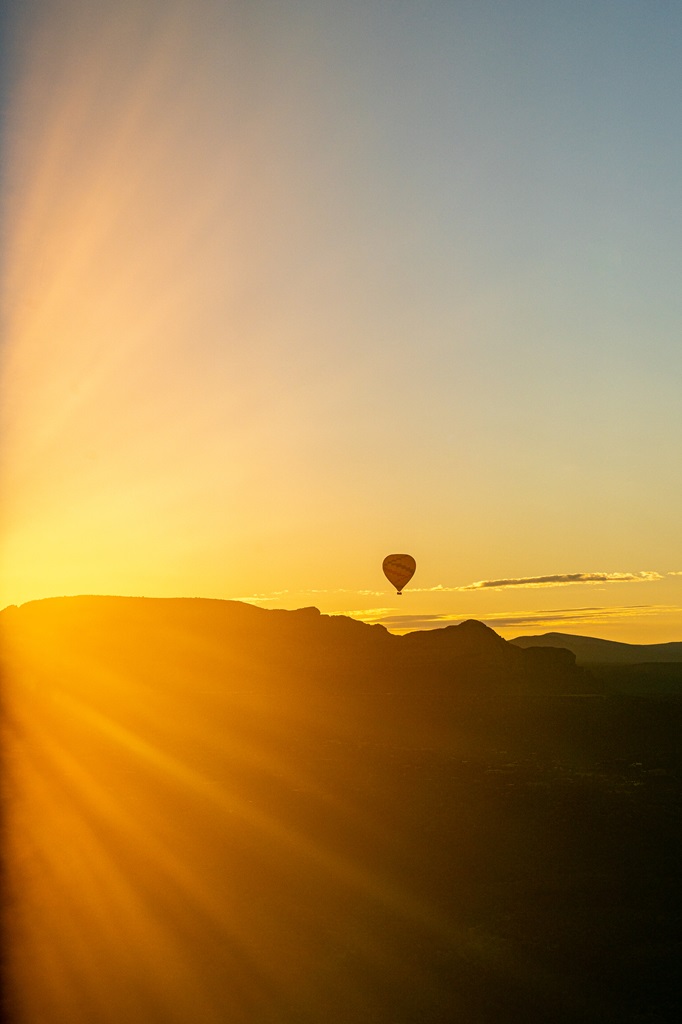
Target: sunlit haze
292,285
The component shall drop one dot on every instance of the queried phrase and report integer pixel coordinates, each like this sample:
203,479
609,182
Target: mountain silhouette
458,688
618,668
214,812
235,644
589,650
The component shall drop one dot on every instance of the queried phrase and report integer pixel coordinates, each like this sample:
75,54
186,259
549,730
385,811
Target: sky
290,285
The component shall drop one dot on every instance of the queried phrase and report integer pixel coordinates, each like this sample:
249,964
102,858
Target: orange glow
204,334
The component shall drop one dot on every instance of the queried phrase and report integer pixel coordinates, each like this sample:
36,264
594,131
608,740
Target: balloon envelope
399,569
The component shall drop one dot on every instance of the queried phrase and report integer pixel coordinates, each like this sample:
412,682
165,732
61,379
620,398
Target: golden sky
288,287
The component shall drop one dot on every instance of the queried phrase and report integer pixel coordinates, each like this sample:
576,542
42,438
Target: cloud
556,619
276,595
372,615
438,589
566,616
565,579
556,580
405,623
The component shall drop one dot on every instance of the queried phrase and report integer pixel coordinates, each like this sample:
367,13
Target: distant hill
240,645
300,666
590,650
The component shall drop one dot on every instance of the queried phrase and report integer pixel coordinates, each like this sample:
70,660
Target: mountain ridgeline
647,670
246,647
300,672
590,650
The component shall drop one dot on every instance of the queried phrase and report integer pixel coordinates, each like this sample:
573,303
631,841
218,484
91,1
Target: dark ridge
617,668
591,650
315,651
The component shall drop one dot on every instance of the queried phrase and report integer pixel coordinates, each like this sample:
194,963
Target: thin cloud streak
521,582
553,619
555,580
438,589
565,579
275,595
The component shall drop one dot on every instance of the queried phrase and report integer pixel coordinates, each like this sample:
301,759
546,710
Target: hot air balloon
399,570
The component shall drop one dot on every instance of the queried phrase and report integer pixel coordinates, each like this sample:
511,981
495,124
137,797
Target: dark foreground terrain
213,816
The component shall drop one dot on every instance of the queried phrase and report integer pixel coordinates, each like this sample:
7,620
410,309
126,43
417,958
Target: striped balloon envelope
399,570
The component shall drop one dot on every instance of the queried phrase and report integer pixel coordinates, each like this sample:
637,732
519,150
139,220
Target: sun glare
153,797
